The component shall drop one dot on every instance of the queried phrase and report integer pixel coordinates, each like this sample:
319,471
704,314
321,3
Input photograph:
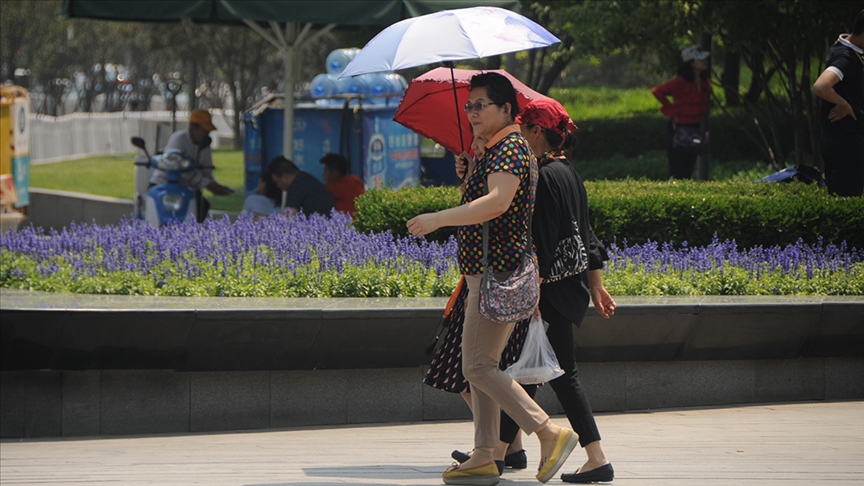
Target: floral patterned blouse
508,233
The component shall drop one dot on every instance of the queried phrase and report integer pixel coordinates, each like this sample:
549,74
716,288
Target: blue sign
391,152
381,151
21,175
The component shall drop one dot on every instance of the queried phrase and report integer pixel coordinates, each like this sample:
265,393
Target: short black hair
858,25
280,165
499,89
272,191
336,162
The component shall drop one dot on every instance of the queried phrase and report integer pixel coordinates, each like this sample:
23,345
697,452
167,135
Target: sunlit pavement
812,443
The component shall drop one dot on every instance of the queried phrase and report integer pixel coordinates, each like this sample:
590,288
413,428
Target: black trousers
681,161
567,387
844,163
203,206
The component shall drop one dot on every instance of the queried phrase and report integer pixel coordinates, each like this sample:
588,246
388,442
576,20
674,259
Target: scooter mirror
205,142
138,142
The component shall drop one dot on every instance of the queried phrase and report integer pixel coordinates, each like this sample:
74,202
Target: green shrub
604,138
380,210
654,166
748,212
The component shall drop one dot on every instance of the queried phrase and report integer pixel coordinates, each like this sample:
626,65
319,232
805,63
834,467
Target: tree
34,41
245,59
783,44
594,29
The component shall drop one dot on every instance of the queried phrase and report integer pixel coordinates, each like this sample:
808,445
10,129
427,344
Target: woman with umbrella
505,170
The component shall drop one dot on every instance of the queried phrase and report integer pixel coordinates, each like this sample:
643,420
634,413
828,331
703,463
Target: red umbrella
427,106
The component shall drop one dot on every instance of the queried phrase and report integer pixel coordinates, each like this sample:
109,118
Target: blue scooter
170,202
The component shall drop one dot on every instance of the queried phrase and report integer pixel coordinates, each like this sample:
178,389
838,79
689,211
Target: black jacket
562,199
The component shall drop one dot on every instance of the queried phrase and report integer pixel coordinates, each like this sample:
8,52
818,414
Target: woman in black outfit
561,214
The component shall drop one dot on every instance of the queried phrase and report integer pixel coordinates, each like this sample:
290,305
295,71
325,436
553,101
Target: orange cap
202,118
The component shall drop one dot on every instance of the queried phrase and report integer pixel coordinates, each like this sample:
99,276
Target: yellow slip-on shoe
565,444
479,476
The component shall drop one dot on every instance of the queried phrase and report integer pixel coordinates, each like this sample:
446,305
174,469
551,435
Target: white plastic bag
538,363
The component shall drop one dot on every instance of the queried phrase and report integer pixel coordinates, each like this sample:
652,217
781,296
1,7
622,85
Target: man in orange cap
187,141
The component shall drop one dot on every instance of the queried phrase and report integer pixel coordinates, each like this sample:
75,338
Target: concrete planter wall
102,365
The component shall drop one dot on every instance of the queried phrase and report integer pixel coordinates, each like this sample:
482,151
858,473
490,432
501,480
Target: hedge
751,213
600,139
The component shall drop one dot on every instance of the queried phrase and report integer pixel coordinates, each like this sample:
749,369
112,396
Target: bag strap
485,261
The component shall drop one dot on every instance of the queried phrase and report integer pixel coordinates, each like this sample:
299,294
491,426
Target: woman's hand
603,302
841,111
423,224
669,110
462,165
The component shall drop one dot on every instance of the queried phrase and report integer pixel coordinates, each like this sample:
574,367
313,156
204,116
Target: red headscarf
549,114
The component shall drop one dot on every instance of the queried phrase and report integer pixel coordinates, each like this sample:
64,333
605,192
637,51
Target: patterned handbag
570,257
515,298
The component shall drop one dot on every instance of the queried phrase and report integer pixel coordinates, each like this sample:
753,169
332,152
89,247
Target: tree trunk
731,77
192,87
558,65
538,68
493,62
811,110
532,59
757,67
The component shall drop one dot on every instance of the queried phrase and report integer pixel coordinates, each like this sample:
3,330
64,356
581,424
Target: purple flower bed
328,257
665,258
275,242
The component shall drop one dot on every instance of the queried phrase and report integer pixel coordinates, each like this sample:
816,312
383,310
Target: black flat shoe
517,460
602,474
462,457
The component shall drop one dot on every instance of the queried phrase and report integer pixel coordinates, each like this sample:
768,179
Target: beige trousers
492,389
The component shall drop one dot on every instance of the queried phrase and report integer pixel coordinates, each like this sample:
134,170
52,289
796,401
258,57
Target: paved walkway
795,444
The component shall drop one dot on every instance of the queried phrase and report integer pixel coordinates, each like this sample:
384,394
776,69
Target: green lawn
113,176
589,102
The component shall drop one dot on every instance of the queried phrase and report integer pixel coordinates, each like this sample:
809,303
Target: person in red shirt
344,187
690,91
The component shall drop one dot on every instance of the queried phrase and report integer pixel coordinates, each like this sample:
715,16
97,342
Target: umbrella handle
458,115
456,103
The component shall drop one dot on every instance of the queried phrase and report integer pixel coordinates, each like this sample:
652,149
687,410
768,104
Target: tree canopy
765,54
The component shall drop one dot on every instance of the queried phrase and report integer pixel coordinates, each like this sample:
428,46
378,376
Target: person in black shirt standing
841,86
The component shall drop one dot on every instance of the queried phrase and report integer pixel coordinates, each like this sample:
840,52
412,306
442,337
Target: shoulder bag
515,298
570,257
691,138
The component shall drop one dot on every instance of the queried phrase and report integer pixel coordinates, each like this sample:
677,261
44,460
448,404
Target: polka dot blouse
508,233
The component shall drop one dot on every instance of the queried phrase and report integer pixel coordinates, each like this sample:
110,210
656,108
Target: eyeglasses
476,106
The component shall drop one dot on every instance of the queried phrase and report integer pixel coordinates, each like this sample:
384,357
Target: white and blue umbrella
449,35
446,36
